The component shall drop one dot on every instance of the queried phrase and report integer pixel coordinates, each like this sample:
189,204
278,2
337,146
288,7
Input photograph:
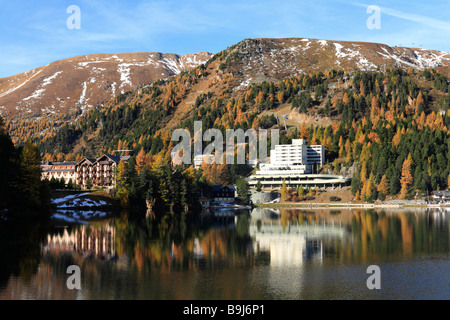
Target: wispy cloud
431,22
424,20
35,33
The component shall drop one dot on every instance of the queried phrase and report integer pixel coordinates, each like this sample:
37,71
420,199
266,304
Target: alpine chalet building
101,172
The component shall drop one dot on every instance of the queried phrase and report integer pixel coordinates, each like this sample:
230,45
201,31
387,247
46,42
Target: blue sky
34,33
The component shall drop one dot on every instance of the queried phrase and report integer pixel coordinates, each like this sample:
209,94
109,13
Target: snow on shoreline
77,208
67,198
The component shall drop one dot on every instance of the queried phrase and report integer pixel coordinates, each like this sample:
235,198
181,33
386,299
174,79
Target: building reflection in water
290,243
85,240
293,246
284,254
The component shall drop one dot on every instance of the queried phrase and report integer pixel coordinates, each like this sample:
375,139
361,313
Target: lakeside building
441,196
209,158
296,165
225,194
58,170
101,172
218,195
297,157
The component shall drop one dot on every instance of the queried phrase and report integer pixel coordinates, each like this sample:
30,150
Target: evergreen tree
8,168
356,183
122,184
223,174
70,185
30,175
242,189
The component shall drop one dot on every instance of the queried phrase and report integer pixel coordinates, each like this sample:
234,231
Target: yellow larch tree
406,179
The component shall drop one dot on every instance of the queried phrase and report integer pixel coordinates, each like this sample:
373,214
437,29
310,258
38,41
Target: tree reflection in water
20,247
139,257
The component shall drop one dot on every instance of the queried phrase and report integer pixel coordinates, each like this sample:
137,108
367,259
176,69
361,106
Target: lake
259,254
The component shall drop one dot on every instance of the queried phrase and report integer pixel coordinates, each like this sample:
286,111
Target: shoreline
313,205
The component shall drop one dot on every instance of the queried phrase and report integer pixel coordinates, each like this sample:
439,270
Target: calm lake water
227,255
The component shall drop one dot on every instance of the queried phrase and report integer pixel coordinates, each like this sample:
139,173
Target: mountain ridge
84,81
228,72
97,78
305,55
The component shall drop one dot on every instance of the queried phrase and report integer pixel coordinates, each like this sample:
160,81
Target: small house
223,193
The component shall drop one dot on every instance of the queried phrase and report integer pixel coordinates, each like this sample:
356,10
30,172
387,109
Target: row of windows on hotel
100,171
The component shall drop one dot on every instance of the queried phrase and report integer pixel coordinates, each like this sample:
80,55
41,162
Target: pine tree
363,174
122,184
185,195
345,98
406,179
284,191
242,189
30,174
383,187
419,103
223,174
374,107
448,182
356,183
397,137
258,186
300,192
369,188
142,160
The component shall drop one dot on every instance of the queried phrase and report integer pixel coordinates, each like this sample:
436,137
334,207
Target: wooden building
101,172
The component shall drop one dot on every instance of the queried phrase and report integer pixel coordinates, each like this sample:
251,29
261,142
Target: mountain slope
380,127
76,84
275,59
213,93
58,93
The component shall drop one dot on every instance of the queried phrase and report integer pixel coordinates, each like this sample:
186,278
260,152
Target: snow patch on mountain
173,66
124,70
81,102
37,93
21,85
355,55
429,59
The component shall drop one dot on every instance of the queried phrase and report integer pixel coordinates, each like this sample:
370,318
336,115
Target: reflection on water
84,240
258,254
290,241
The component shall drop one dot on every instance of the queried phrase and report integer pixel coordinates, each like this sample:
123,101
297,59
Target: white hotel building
296,157
295,164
